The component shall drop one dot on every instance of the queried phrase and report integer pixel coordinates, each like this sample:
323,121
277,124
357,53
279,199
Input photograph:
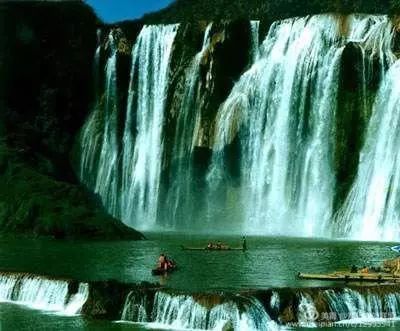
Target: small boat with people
211,248
164,266
219,246
161,272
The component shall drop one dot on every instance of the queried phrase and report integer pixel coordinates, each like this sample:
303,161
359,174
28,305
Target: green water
18,318
269,262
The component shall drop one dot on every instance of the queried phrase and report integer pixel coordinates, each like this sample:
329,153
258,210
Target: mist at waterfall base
280,119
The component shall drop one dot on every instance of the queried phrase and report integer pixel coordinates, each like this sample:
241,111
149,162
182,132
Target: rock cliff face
46,89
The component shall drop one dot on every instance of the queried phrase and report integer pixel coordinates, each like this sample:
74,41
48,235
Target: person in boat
210,246
364,270
244,244
353,269
170,264
219,245
162,262
165,263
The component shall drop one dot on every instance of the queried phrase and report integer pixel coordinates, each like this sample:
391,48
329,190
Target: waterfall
286,136
180,311
352,305
276,138
135,308
255,39
275,301
99,140
283,112
181,195
77,300
307,313
371,209
375,34
41,293
127,178
143,134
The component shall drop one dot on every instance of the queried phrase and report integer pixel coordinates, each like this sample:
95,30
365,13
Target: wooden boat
212,249
162,272
376,277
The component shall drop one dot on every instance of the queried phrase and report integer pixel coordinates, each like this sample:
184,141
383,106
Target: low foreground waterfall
44,294
271,310
372,208
201,313
353,305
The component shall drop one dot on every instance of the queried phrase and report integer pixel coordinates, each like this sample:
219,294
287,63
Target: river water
269,262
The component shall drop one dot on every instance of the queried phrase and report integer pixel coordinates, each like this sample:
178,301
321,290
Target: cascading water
143,140
275,301
99,141
286,136
307,313
374,35
41,293
283,111
181,195
371,209
127,179
352,305
187,312
135,308
280,119
255,39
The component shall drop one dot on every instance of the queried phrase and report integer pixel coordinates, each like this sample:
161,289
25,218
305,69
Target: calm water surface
269,262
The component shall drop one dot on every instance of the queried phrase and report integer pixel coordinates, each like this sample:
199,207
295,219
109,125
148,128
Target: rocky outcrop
353,112
37,204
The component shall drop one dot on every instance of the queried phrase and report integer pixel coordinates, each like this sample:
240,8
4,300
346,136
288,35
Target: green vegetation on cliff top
271,10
